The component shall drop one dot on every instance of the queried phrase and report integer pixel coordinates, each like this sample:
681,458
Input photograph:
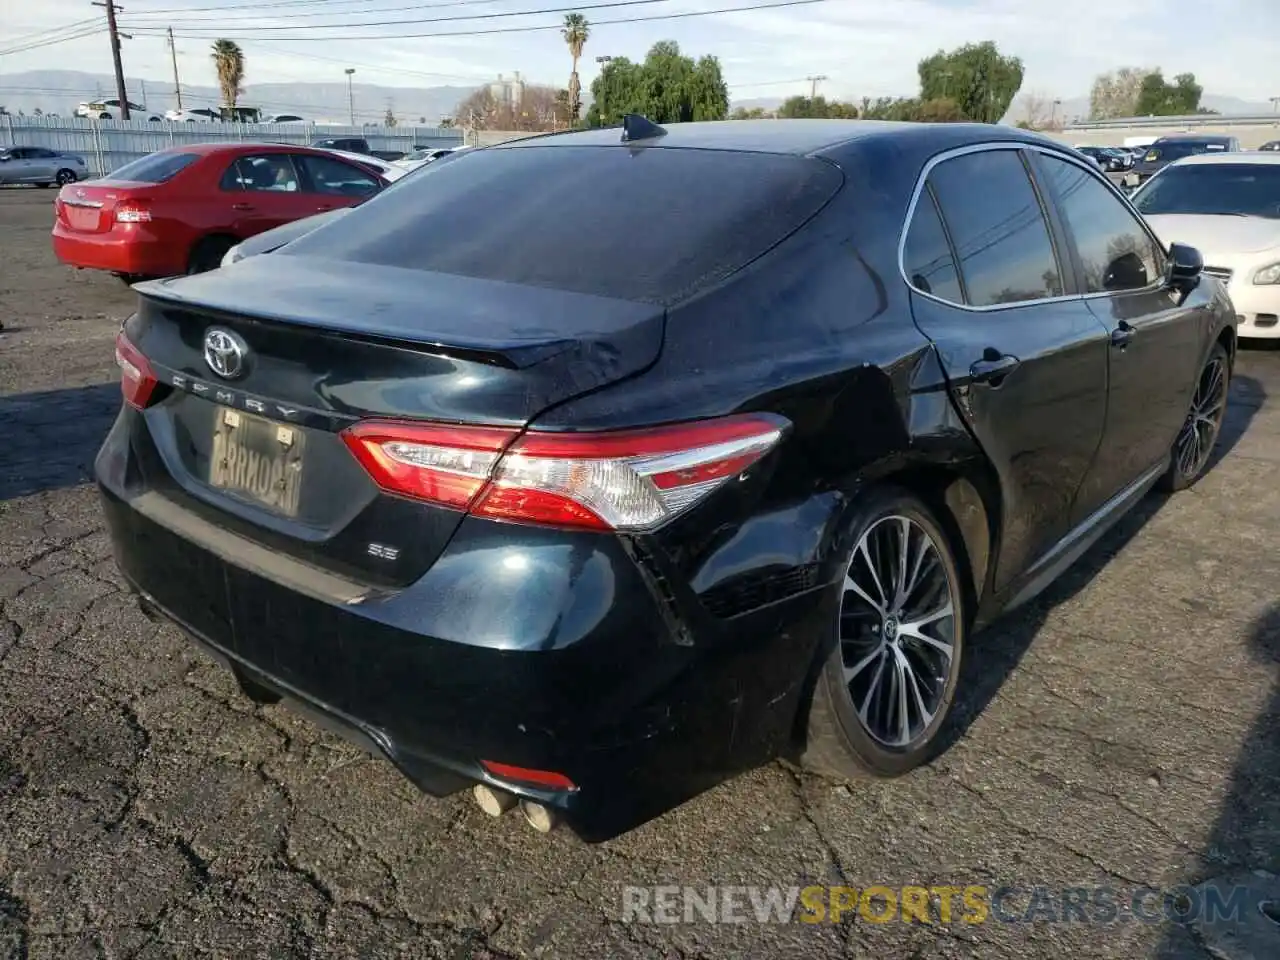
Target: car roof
801,137
1242,156
241,146
1196,138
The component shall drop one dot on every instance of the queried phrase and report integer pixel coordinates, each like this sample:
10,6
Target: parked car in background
179,210
194,115
383,168
424,155
109,109
1228,206
40,166
527,478
356,145
283,118
1166,150
1109,159
1270,145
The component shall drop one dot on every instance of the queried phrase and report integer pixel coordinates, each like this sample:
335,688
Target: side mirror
1185,266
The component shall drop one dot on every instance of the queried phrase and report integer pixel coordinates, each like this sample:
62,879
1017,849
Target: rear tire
1193,449
208,253
882,699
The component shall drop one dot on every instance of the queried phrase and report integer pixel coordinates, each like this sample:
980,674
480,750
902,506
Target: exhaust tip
493,802
541,818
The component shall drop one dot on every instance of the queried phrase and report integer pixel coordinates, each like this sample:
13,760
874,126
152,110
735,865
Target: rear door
1027,360
1155,344
263,191
41,164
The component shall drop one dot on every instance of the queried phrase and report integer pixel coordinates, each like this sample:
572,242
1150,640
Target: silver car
41,166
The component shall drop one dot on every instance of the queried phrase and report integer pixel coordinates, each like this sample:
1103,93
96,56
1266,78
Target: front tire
65,176
882,699
1193,450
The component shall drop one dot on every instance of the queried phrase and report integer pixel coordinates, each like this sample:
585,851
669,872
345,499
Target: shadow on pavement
996,652
49,439
1242,857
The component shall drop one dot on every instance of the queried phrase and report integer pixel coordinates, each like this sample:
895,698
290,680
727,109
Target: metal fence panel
106,145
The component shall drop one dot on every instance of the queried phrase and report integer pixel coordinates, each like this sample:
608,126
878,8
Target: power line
43,34
295,3
501,15
77,35
490,31
290,15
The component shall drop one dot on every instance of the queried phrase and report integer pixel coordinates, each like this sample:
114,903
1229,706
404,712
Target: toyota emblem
225,353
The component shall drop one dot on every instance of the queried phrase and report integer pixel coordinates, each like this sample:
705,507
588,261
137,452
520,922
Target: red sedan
178,211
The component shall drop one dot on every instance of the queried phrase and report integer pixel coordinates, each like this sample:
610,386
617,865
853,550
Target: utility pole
351,97
173,51
813,85
115,55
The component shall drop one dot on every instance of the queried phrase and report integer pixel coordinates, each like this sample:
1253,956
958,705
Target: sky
863,47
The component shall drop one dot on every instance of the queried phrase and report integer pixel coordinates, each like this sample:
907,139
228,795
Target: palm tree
575,33
229,60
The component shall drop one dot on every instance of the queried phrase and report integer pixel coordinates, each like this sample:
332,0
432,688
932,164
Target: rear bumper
137,251
564,662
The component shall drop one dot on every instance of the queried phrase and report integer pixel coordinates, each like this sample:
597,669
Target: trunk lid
325,344
90,207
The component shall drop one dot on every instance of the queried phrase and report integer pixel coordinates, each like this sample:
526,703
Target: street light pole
351,97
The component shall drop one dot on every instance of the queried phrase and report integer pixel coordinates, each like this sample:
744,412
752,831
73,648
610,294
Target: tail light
619,480
132,211
137,379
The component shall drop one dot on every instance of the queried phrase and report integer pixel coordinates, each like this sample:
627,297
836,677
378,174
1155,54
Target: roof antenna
636,127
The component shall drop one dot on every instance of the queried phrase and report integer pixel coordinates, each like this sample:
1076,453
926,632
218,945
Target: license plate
82,218
257,459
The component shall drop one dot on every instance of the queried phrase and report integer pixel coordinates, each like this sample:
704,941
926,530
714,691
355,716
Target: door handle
993,367
242,206
1122,334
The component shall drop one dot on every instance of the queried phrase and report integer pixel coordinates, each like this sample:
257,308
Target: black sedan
1168,149
538,475
1109,159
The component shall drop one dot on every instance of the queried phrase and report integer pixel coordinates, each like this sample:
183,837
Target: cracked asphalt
1123,731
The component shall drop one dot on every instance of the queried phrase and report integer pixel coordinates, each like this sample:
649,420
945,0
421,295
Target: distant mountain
58,91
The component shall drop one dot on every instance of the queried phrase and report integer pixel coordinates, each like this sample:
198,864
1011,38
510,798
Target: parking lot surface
1122,732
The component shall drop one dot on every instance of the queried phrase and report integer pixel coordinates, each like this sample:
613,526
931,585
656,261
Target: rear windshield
155,168
1240,189
647,224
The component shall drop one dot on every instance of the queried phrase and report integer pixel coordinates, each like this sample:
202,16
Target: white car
110,110
283,118
1227,206
388,170
194,115
417,158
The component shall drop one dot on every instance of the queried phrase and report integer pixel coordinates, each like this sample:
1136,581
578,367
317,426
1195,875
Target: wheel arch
206,239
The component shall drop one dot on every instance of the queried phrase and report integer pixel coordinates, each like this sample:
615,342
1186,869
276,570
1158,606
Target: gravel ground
1123,732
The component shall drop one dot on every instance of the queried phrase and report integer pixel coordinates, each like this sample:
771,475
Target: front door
1025,357
1155,347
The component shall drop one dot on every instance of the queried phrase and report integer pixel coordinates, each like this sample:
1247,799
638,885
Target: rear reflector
620,480
137,379
539,778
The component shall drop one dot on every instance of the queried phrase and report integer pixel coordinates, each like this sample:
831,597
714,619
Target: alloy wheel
1204,420
64,177
897,631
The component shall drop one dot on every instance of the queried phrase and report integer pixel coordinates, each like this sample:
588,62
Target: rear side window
648,224
272,172
998,228
155,168
927,255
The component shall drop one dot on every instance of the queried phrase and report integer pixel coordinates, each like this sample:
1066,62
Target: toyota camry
690,448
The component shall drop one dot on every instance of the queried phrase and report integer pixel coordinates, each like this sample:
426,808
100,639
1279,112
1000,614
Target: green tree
976,77
753,113
575,32
1159,98
667,88
818,107
228,60
1116,94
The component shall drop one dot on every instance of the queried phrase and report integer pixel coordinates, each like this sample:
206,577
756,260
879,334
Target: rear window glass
648,224
155,168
